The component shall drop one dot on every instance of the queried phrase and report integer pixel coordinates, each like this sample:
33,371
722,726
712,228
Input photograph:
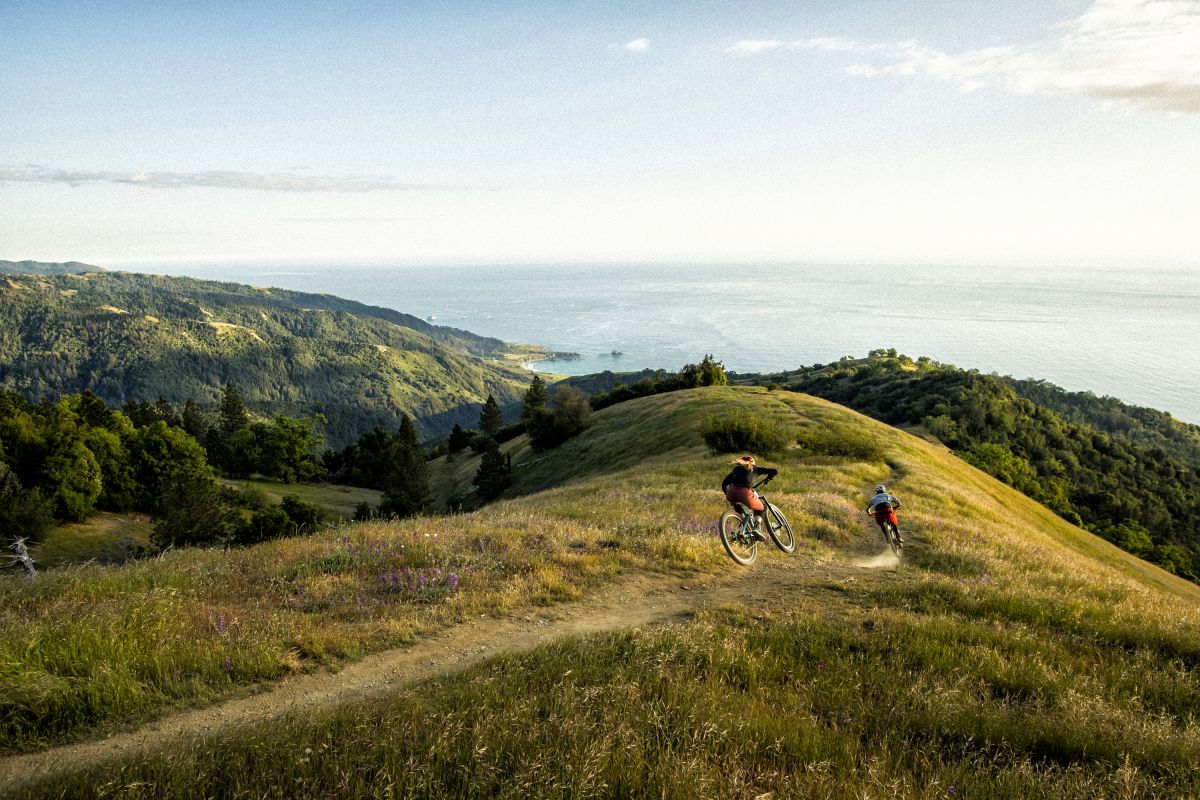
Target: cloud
751,47
639,45
264,182
1145,52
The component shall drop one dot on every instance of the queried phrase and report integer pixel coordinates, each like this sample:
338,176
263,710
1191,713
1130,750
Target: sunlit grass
1010,655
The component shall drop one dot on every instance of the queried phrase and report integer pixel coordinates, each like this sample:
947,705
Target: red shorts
887,515
744,495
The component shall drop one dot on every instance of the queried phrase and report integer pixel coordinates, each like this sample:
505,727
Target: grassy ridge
1011,655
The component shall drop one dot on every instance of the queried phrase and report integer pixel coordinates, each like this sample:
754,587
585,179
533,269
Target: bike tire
780,529
730,527
893,538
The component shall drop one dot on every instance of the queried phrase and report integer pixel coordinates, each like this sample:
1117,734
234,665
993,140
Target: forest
126,337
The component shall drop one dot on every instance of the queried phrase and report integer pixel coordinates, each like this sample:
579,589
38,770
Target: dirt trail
638,601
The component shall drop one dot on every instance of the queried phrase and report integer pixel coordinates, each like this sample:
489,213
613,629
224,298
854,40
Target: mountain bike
891,534
736,527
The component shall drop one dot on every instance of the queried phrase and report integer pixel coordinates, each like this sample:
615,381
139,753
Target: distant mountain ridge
126,336
46,268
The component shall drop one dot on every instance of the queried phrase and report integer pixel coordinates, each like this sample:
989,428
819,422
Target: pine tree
234,416
494,475
193,421
459,438
535,398
489,417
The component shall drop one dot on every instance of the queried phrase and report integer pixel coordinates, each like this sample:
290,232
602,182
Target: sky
1025,132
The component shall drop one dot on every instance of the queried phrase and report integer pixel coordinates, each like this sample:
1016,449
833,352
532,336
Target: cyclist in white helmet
883,508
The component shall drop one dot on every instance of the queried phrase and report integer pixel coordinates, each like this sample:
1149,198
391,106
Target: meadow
1009,654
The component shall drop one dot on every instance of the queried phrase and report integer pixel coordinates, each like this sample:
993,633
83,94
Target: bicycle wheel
741,546
780,529
893,538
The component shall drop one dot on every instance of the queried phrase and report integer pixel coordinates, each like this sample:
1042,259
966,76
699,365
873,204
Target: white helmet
881,489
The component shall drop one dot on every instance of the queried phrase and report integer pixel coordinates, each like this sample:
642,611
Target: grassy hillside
140,337
1010,654
1114,473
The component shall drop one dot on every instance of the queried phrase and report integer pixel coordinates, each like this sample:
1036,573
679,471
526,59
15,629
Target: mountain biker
737,487
883,508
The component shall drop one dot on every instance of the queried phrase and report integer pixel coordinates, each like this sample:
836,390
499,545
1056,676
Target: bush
842,442
269,523
571,413
303,515
742,432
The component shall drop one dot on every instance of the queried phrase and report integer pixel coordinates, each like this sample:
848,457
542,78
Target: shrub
303,515
571,413
841,442
742,432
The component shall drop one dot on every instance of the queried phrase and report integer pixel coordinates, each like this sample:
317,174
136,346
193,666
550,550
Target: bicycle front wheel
780,529
741,546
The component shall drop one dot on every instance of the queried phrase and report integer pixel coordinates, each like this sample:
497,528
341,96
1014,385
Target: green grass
106,537
335,501
1011,655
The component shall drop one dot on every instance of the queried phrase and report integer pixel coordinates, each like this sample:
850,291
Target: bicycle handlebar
763,482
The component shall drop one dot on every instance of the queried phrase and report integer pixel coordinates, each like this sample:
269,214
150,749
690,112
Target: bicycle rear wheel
780,529
741,546
893,538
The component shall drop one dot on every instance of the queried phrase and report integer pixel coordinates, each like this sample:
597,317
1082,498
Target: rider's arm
895,501
766,472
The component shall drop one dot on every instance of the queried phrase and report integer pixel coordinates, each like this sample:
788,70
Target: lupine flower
221,624
227,664
452,581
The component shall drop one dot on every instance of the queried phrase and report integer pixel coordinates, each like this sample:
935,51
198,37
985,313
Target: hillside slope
1122,472
46,268
124,336
1009,654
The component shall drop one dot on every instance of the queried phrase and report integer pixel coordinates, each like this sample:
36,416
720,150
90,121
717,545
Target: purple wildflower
221,624
452,581
421,580
227,664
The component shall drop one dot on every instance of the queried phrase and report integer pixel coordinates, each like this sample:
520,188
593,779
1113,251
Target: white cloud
639,45
213,179
1141,51
752,46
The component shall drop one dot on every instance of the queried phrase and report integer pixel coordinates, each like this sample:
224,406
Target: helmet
746,461
881,489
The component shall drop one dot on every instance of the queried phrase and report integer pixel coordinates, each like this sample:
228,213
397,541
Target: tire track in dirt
635,602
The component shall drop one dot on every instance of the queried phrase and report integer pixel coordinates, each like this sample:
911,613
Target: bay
1125,333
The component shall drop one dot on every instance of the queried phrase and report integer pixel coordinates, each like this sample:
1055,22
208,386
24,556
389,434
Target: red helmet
746,461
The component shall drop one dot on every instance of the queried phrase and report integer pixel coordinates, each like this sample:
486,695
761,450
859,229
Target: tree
23,514
459,438
192,509
406,479
233,414
157,452
535,398
489,417
304,516
193,421
709,372
72,477
494,474
570,414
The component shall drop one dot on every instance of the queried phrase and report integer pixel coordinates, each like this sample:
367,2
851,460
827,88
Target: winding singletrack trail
637,601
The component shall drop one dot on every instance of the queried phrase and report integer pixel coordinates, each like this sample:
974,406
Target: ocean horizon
1124,333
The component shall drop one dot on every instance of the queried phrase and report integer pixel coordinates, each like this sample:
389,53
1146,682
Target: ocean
1131,333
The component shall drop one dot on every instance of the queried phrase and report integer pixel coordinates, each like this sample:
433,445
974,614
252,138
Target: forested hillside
1124,473
46,267
135,337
